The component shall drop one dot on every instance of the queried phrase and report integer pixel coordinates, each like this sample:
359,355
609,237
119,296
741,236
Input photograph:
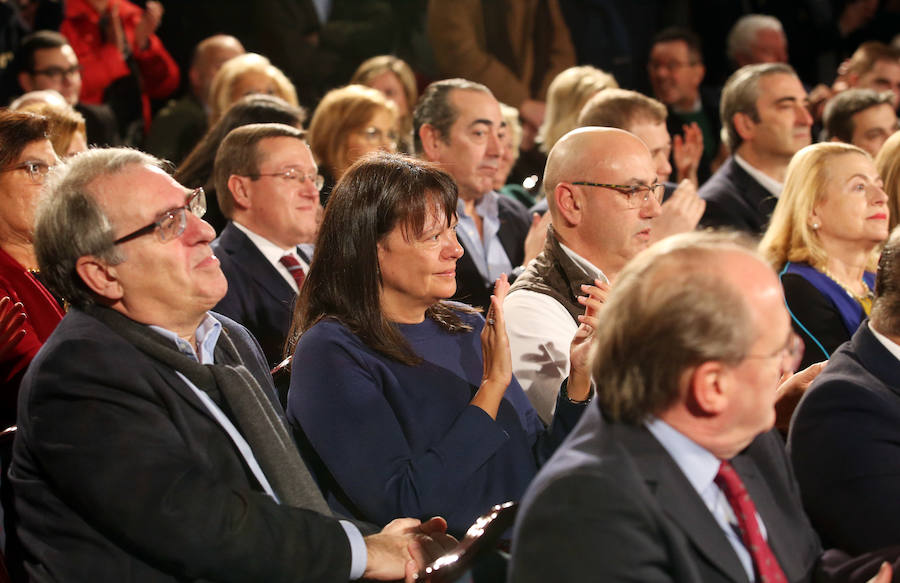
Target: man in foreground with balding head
674,473
603,195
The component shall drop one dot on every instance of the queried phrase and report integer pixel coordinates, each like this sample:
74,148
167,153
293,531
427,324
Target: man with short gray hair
757,38
151,446
693,339
457,124
765,121
862,117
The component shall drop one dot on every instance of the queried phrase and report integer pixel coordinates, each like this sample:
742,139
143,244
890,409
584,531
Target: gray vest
554,274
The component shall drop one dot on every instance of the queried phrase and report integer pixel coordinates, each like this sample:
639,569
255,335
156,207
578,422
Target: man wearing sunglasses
151,445
603,194
268,187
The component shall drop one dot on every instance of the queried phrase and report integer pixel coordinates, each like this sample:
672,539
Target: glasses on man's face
172,223
668,66
57,73
375,136
317,180
635,194
35,169
791,353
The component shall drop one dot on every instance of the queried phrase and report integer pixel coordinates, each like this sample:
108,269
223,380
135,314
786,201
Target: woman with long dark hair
406,403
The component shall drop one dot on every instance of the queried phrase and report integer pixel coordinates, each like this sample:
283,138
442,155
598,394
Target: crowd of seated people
242,343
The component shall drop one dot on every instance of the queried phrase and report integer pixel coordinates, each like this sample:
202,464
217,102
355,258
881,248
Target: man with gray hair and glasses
151,446
764,123
674,473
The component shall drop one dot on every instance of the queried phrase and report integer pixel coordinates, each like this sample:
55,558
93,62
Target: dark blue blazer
735,199
612,505
258,296
844,442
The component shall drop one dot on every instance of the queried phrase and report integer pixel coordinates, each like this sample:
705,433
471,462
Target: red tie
767,568
294,267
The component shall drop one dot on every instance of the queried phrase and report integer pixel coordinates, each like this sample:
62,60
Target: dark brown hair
17,130
377,194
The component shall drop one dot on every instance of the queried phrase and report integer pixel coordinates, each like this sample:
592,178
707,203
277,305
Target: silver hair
742,34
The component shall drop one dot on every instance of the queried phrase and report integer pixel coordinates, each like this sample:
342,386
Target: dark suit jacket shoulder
120,464
612,505
514,224
844,443
735,199
258,296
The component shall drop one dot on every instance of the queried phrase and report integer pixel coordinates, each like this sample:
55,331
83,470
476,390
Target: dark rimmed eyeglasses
36,170
635,194
293,174
57,73
171,224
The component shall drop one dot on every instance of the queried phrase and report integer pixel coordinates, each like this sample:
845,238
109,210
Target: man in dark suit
267,185
152,447
457,124
844,439
652,483
765,122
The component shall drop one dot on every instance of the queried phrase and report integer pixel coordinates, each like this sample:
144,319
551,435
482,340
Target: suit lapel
754,194
875,357
249,259
680,502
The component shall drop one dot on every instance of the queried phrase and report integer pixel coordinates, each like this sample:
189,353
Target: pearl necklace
859,298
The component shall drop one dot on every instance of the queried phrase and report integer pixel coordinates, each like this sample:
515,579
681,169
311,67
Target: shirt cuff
357,550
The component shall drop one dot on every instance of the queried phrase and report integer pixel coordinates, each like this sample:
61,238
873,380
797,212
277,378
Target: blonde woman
888,164
824,238
67,130
395,79
349,123
567,94
244,75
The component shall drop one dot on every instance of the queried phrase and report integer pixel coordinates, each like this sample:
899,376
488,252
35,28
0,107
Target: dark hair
434,108
377,194
839,112
17,130
36,41
886,307
197,169
239,154
687,36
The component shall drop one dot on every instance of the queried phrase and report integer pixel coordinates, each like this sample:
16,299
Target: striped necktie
294,267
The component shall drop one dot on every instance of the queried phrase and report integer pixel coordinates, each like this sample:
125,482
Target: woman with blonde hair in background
395,79
349,123
824,239
67,130
888,164
244,75
567,94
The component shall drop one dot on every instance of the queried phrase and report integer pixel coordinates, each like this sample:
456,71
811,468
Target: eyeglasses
635,194
172,223
293,174
57,73
36,170
793,350
374,135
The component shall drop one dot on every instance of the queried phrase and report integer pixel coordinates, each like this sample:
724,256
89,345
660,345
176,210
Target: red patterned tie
293,266
767,568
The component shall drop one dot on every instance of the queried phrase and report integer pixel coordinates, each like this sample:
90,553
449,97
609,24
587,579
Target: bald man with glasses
603,196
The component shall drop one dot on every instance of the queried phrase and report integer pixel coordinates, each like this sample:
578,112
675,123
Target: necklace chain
859,298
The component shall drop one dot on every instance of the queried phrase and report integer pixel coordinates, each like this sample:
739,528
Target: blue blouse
388,440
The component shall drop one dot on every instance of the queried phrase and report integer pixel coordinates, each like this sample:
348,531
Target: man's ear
569,204
100,277
432,140
709,387
744,125
239,192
